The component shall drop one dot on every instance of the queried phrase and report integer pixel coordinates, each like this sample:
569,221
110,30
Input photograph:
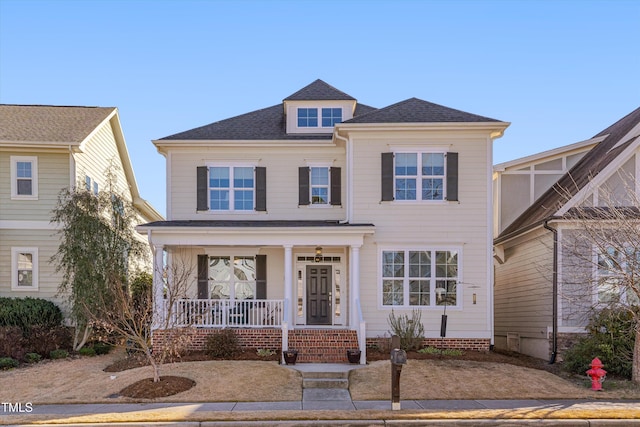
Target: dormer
316,108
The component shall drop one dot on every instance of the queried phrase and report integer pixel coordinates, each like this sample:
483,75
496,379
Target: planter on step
353,356
290,356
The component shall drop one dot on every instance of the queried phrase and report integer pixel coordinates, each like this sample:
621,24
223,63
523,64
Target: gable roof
49,124
414,110
319,91
579,175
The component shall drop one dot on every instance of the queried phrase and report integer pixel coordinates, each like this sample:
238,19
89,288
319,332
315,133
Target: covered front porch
263,275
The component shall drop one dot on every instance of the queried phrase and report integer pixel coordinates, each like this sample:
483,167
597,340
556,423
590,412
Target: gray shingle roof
45,123
579,175
414,110
319,91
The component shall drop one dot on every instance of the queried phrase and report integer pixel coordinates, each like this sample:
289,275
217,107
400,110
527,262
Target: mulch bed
167,386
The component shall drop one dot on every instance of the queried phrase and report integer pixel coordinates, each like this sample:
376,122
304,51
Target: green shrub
444,351
611,338
28,312
59,354
101,348
32,357
410,331
8,363
87,351
222,345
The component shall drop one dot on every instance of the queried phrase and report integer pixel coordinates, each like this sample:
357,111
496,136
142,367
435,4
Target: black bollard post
398,358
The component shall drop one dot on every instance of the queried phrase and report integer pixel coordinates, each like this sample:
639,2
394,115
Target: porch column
288,283
354,267
158,285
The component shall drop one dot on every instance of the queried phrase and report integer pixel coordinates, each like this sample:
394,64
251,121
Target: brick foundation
249,338
456,343
323,345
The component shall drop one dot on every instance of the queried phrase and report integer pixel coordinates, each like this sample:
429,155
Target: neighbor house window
419,176
231,188
24,270
24,177
420,277
232,277
615,269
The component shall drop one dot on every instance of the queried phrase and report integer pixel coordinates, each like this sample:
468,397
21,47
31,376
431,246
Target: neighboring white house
309,222
540,301
44,149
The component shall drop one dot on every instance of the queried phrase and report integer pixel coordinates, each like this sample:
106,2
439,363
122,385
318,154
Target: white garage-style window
24,269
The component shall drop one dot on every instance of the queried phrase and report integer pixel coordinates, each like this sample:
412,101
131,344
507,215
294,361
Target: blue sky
559,71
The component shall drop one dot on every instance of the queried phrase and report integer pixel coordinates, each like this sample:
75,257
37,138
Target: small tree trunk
79,343
154,364
635,369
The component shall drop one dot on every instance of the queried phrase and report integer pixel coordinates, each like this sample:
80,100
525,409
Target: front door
319,294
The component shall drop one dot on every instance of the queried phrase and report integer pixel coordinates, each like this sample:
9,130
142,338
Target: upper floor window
331,116
419,277
308,117
420,176
231,188
319,185
24,269
24,177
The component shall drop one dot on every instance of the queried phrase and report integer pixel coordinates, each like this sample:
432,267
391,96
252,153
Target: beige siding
98,153
282,181
523,290
47,244
53,175
462,225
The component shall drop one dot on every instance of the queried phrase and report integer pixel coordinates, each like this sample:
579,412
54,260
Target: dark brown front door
319,295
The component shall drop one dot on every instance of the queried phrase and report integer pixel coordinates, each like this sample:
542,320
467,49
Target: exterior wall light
318,257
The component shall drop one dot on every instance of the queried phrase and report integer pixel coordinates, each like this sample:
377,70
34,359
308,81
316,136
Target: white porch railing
212,313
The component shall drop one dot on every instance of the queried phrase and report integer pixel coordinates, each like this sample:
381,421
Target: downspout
554,349
347,198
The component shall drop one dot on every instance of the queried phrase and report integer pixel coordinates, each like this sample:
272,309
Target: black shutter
303,186
336,186
261,277
387,177
201,188
203,277
452,177
261,188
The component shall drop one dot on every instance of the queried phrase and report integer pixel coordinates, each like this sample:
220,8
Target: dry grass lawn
84,381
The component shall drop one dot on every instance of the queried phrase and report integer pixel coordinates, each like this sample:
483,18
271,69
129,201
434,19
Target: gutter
554,349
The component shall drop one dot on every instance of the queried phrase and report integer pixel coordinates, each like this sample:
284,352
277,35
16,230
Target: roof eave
496,128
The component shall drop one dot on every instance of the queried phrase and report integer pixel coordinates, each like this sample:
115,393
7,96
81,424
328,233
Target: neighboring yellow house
308,222
44,149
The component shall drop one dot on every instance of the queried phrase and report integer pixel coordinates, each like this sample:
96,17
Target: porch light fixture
318,257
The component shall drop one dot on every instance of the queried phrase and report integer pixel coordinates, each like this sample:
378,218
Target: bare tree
601,253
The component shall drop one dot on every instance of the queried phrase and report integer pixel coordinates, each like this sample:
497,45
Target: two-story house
309,222
44,149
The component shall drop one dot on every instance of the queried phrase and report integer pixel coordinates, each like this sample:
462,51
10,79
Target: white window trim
598,276
231,166
14,177
15,251
407,306
419,176
319,111
320,205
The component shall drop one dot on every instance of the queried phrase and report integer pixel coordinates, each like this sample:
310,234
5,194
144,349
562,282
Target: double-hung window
419,176
319,184
231,188
24,269
616,269
425,278
24,177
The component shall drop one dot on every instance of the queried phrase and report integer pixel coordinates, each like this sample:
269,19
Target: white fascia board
496,128
40,145
578,146
258,236
189,143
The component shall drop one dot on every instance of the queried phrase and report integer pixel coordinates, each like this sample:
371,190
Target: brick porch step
322,345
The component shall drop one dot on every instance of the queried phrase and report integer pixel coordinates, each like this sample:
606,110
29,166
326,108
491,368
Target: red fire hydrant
597,374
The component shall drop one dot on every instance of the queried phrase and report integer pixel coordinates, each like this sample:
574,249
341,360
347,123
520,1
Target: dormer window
308,117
